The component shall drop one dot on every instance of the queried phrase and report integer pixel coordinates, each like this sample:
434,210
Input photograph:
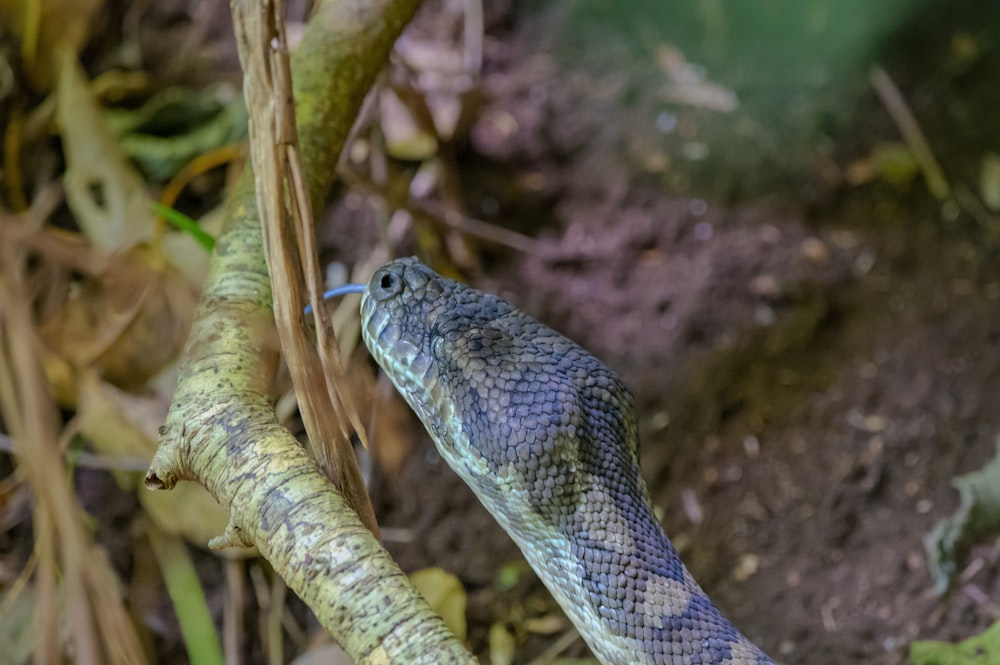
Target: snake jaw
409,367
407,352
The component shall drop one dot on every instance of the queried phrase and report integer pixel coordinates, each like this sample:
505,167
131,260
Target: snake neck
611,568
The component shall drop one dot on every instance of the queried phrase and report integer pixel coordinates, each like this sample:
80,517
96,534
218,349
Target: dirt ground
813,365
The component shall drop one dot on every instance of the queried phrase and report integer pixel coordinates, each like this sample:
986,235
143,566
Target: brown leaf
105,192
127,322
405,137
392,428
445,595
46,28
189,511
117,423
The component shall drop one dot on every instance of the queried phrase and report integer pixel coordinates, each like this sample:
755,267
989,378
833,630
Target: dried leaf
128,322
104,191
392,428
446,596
190,512
687,83
324,654
989,181
118,423
893,162
547,624
502,645
46,29
405,138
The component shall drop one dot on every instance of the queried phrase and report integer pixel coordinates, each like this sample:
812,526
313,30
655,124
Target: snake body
546,437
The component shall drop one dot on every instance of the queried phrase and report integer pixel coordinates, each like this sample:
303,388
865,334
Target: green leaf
17,629
188,596
983,649
178,125
978,515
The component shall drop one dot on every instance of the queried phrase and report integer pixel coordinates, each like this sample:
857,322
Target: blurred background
778,221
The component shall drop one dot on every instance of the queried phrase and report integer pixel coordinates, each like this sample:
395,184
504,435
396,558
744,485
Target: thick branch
222,431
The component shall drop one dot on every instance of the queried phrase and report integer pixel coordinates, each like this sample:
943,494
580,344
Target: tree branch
222,431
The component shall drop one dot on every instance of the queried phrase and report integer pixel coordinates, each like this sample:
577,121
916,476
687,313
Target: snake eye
385,285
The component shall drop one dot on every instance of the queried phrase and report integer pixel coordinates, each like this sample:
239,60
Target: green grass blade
184,223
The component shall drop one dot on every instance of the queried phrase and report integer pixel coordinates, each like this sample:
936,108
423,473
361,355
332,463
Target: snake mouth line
409,367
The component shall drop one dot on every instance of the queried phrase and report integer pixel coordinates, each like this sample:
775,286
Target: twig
86,460
918,145
287,220
428,212
472,37
89,595
913,136
556,648
975,209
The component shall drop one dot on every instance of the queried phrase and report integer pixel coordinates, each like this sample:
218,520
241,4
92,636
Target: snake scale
546,437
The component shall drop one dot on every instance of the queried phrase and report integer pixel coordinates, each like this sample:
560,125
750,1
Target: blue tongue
339,291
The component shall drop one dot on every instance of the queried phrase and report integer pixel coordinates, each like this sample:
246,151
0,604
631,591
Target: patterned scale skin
546,437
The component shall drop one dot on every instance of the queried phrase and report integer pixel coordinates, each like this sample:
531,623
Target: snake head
505,398
413,323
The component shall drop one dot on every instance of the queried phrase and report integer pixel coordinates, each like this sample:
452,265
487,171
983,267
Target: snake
547,438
